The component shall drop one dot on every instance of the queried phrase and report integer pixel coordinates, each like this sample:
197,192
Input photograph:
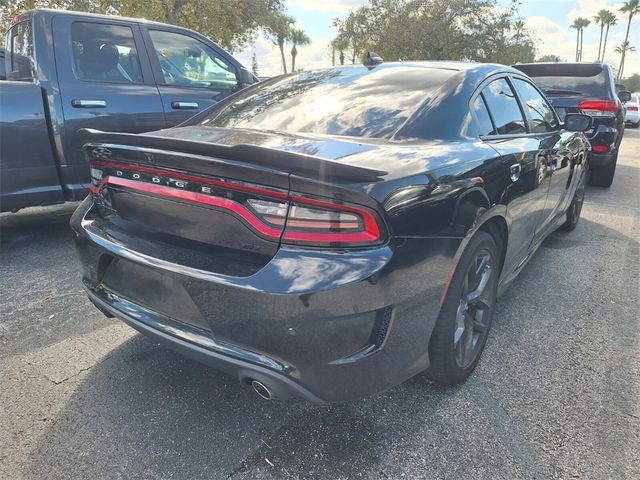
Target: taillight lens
290,218
632,108
600,107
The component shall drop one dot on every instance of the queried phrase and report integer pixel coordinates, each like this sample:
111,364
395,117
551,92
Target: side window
105,53
188,62
541,113
485,126
21,62
504,108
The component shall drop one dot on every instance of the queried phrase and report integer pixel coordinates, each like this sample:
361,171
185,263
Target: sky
549,20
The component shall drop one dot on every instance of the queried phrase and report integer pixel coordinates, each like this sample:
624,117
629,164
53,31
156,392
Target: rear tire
603,176
575,208
463,324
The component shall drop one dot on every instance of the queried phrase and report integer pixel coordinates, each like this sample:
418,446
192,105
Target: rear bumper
326,326
598,160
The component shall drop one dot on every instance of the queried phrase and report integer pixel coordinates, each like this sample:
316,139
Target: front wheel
462,327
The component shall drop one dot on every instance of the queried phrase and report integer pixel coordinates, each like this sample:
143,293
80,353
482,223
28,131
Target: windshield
348,101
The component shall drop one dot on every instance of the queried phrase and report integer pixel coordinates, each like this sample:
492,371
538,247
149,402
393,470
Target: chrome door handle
88,103
514,172
184,105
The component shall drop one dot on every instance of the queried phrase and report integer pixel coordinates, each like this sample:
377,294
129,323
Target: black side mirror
247,78
577,122
624,96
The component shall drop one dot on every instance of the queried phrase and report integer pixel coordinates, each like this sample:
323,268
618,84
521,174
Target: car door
191,75
525,165
105,83
556,145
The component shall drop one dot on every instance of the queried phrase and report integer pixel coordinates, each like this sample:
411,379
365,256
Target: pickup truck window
105,53
21,52
187,62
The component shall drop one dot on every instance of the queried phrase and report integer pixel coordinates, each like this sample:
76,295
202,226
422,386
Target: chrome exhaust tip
261,389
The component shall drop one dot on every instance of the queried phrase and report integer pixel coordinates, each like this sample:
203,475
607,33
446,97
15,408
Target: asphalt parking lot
556,395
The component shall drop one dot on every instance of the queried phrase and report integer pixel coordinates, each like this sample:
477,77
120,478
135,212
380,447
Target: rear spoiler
286,162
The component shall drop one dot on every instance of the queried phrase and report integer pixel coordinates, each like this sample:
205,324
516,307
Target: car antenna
372,59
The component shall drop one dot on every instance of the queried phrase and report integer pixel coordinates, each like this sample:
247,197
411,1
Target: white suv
632,111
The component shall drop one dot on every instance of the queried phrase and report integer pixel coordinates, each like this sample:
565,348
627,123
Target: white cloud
546,29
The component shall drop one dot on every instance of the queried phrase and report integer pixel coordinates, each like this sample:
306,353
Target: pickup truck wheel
463,324
603,176
575,208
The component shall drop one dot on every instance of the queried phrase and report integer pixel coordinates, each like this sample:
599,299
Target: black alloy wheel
463,325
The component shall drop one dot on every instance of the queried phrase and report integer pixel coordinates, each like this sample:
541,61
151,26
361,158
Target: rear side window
504,108
3,72
541,113
558,80
485,127
21,60
105,53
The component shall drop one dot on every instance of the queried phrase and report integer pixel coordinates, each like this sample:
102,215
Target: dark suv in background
586,88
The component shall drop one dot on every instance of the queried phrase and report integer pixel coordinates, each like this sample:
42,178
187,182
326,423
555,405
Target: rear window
559,80
350,101
20,50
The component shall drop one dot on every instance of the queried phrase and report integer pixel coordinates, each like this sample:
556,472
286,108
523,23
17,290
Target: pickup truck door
106,83
191,72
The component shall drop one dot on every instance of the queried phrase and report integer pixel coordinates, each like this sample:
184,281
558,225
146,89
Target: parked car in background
588,88
632,111
329,234
70,70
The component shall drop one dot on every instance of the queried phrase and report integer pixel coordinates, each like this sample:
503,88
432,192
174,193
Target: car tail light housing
290,218
601,107
600,148
632,108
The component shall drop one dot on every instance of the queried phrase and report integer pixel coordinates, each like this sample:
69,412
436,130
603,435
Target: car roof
52,11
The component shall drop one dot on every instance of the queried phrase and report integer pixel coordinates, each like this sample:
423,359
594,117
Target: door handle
88,103
514,172
184,105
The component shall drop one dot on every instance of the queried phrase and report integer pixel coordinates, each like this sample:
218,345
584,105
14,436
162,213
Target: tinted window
485,127
558,80
188,62
105,53
504,108
352,101
3,73
21,51
541,113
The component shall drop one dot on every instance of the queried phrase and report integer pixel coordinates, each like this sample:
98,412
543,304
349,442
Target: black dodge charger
330,234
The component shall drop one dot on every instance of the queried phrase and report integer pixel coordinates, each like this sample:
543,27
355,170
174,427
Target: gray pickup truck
67,70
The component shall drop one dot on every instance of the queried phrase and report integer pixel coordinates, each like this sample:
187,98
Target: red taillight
632,108
600,148
294,219
599,107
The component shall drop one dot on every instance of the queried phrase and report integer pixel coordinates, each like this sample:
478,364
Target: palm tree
297,37
341,44
280,32
519,27
609,20
579,24
623,49
599,20
631,7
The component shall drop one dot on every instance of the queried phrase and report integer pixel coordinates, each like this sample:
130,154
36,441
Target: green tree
580,24
632,83
599,20
298,38
631,7
549,59
437,30
623,48
231,23
609,21
279,30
